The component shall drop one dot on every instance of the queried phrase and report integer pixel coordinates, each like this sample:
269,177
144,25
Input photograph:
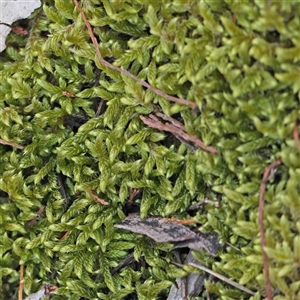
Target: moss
239,61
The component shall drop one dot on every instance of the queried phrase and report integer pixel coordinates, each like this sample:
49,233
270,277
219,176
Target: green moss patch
79,123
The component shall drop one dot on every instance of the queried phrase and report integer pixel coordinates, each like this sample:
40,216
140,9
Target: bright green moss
239,61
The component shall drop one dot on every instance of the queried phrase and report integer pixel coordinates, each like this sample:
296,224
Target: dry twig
221,277
125,72
125,262
153,122
183,222
206,290
3,142
103,202
64,236
132,194
97,114
171,120
267,175
296,135
21,284
37,216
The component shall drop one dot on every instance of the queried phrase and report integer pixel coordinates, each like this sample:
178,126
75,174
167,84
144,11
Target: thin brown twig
177,129
153,122
183,222
103,202
37,216
171,120
223,278
183,141
217,275
268,173
178,125
64,236
125,262
97,114
233,247
207,294
21,284
132,194
296,135
125,72
3,142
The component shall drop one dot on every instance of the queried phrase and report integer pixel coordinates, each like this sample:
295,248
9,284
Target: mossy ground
238,61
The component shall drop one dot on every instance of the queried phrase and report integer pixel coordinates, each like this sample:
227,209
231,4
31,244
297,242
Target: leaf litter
167,230
163,230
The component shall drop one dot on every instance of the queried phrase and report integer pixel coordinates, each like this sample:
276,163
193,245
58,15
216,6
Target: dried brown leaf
159,229
206,241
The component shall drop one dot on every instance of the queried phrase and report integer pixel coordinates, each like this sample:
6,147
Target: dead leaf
207,241
189,286
159,229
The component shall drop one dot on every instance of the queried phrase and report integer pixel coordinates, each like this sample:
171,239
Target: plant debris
37,216
206,241
170,230
3,142
45,291
159,229
221,277
176,128
125,72
189,286
268,174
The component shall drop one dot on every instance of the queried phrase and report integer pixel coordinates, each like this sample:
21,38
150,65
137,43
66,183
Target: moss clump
239,61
